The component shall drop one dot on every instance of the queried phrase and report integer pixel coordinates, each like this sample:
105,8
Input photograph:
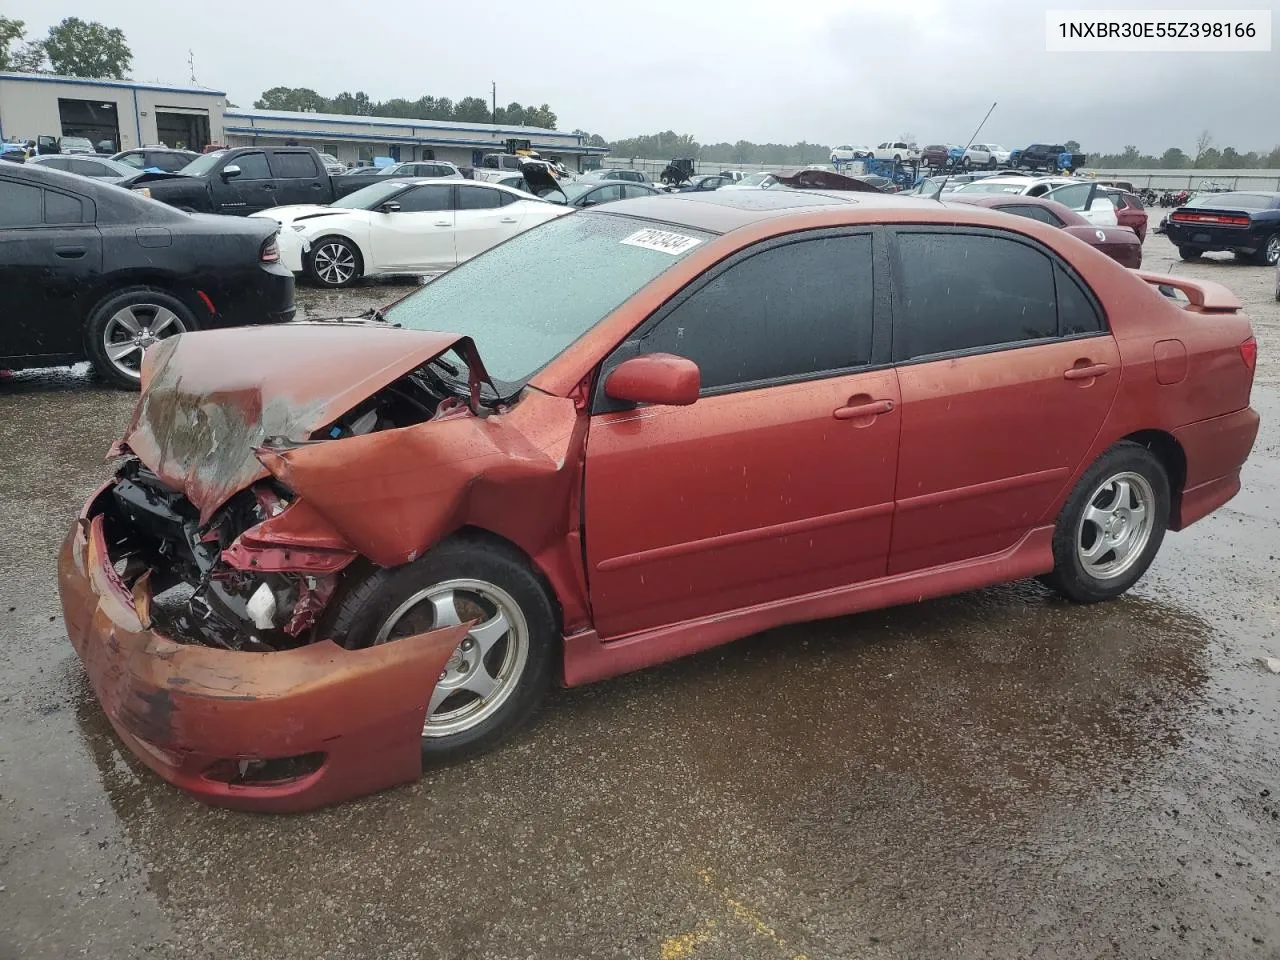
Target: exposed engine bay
207,585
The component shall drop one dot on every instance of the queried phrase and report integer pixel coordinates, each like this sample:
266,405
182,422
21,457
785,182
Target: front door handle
70,253
860,407
1085,371
443,223
315,186
508,220
268,186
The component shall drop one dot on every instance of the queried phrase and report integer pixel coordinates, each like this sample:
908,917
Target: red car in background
1129,211
333,552
1119,243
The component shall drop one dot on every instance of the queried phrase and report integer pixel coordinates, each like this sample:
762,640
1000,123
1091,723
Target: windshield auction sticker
664,241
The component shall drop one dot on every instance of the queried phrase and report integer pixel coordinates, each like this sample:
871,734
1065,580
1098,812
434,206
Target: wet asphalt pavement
997,774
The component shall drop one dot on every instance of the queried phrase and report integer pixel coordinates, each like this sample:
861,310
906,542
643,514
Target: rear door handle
870,408
315,186
70,253
268,186
443,223
1087,372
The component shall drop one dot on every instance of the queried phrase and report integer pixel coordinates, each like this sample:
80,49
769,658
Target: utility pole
494,85
191,62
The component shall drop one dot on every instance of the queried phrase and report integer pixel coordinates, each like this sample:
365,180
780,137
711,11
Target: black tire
334,262
991,163
1189,253
1269,253
148,306
897,158
966,162
1070,576
365,607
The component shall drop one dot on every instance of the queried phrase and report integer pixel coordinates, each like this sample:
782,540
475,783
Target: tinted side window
296,166
253,166
959,291
60,208
1076,312
478,198
425,199
19,204
794,310
87,168
132,160
1032,212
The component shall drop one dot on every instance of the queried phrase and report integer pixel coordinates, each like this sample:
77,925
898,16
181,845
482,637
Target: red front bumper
192,713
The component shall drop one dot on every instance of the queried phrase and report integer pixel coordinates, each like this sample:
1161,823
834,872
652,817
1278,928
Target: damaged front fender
281,731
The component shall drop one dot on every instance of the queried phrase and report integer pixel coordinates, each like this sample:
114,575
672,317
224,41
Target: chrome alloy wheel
134,328
334,263
1273,249
1116,525
485,669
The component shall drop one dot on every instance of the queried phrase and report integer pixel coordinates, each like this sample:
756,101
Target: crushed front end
194,583
254,719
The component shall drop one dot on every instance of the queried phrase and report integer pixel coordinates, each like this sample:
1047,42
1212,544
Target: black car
1247,223
162,159
93,271
705,181
588,193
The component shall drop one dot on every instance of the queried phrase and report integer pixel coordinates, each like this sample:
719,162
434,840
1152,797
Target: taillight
1228,219
270,252
1249,353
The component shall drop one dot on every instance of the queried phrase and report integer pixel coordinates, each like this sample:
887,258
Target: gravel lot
991,775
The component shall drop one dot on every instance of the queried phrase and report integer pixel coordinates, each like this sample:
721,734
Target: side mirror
230,171
659,378
390,207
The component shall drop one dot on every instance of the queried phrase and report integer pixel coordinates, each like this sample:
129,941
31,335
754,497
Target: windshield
79,143
370,197
989,186
1239,201
202,164
526,300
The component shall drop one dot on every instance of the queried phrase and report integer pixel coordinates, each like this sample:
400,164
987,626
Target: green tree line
72,48
359,104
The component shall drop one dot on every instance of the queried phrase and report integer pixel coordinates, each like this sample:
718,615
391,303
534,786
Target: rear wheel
497,677
334,262
1269,253
1111,526
1189,253
123,325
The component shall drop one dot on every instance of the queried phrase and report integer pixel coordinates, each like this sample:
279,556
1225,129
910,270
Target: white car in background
403,227
846,152
753,181
332,165
1076,194
989,155
896,150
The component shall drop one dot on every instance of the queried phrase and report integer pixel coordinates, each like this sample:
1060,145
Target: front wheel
1111,526
991,164
496,679
334,262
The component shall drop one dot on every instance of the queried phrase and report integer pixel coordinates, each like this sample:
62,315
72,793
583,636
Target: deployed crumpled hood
210,399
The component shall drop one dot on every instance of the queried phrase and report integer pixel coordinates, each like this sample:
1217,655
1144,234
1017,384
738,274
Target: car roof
720,211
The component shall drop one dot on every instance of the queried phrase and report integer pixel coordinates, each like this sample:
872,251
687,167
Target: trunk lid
211,399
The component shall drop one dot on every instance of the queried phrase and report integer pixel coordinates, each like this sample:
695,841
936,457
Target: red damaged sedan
333,552
1122,244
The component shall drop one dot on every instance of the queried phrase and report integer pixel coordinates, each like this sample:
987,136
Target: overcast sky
829,71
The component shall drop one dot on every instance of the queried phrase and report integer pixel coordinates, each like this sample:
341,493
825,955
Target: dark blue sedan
1246,223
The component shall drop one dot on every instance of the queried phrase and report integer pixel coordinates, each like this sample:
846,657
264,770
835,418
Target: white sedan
754,181
989,155
847,152
403,227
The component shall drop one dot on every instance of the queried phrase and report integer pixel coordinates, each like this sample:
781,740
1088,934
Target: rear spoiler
1205,295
